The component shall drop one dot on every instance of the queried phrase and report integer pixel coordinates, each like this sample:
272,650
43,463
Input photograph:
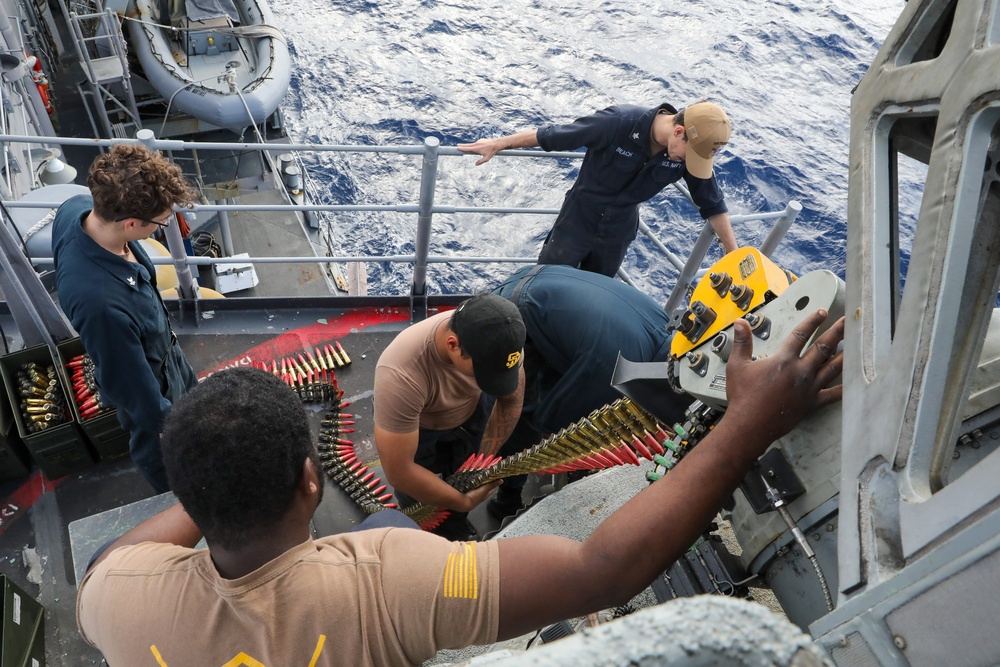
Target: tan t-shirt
416,388
391,596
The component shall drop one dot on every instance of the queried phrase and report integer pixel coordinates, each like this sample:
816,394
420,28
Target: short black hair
234,448
451,326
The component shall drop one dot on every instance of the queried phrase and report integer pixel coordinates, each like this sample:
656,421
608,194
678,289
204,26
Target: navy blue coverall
600,215
115,307
577,322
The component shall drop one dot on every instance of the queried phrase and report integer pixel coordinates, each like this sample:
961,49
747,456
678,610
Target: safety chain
675,383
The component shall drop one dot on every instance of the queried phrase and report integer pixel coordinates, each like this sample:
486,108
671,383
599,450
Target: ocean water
397,71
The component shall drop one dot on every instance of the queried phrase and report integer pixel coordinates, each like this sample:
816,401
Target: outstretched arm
490,147
767,398
724,230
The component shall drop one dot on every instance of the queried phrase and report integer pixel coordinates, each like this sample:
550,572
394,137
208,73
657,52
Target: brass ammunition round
32,390
35,401
343,353
38,378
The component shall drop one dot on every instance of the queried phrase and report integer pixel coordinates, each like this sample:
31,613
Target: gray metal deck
274,233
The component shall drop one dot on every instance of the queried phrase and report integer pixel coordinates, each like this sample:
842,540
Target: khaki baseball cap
707,127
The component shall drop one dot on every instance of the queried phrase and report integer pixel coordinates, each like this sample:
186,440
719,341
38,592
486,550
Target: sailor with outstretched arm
633,153
240,459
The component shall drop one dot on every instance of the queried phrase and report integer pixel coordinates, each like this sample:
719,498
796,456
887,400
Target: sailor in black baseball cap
447,388
491,332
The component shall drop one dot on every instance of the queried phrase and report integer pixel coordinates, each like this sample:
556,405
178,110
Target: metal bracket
418,307
780,476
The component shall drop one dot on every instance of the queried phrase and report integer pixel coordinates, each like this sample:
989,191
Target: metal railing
689,269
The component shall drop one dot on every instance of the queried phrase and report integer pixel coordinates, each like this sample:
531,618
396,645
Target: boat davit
221,61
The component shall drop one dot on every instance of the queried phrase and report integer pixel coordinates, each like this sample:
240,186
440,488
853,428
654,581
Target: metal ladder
106,73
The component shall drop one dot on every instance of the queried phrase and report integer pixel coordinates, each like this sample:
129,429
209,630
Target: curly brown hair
130,181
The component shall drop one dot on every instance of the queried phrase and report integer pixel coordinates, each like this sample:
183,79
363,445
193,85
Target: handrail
179,145
425,209
340,259
399,208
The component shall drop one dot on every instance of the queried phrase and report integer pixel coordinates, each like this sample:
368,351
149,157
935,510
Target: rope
40,225
253,31
155,24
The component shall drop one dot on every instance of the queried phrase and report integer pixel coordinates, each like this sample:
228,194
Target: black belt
515,296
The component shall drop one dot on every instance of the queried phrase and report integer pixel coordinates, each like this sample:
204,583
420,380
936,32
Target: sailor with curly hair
107,288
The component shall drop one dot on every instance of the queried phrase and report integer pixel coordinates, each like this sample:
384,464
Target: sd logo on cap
490,330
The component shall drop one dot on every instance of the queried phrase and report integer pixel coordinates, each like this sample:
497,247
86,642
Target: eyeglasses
143,220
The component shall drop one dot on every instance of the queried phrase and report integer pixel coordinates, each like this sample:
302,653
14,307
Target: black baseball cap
490,330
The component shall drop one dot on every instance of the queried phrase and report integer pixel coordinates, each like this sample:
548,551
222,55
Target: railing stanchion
690,270
777,232
428,180
224,231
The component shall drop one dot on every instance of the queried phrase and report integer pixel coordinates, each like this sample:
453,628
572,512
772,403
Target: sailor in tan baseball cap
633,153
707,128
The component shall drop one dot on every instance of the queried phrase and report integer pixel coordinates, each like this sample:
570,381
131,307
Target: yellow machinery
736,284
